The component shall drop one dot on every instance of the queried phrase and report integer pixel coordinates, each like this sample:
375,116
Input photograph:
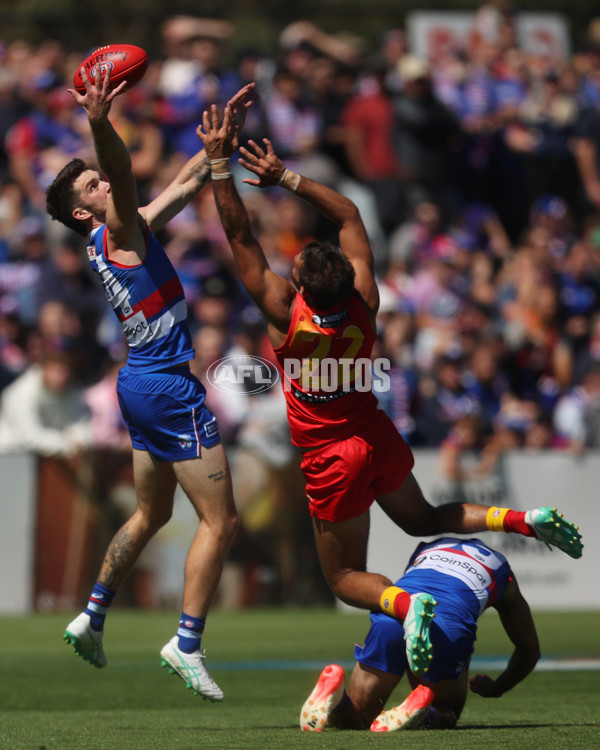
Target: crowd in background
478,179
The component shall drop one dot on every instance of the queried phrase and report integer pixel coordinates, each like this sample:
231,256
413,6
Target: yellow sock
494,518
394,601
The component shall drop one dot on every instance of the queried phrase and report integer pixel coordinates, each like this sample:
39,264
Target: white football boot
86,641
191,669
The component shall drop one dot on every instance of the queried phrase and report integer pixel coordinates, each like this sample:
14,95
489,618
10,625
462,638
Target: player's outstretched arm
112,154
516,618
195,173
354,243
271,293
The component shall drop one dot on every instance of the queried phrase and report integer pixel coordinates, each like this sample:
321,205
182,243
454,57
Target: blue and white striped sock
100,600
190,632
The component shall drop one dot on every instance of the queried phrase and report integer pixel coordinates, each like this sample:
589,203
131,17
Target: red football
126,62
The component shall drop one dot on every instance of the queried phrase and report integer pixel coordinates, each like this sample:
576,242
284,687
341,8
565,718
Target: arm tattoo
202,172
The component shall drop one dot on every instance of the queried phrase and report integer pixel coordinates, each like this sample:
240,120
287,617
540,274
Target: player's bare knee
224,528
158,518
232,525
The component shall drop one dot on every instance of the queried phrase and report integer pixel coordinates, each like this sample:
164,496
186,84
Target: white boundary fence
549,579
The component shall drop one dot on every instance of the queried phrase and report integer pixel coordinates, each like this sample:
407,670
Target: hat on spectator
551,206
183,28
413,68
444,248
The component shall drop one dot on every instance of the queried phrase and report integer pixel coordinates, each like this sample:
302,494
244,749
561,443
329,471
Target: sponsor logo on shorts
211,428
185,441
242,374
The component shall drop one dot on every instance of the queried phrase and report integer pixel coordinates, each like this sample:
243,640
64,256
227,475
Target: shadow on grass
523,725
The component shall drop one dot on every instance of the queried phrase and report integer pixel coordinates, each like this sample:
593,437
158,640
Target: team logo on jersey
91,251
333,320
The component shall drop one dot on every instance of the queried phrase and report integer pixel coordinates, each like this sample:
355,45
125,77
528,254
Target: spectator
540,133
108,431
449,401
69,280
42,140
586,148
13,355
23,276
188,78
425,130
296,126
579,291
466,456
396,346
577,414
43,412
368,121
487,382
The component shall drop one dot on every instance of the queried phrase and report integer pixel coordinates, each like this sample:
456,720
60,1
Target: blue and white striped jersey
149,302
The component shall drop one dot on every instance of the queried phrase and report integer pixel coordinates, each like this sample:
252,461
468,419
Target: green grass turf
52,700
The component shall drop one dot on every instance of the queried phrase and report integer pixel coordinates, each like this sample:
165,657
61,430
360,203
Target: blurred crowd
478,179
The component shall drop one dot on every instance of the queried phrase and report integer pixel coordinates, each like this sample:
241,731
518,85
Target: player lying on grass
465,576
352,453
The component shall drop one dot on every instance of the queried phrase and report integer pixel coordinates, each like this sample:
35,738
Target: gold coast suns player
321,324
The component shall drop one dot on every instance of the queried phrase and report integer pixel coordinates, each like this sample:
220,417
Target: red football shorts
344,478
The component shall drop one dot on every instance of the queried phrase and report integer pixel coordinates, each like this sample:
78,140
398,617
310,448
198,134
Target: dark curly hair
326,275
61,198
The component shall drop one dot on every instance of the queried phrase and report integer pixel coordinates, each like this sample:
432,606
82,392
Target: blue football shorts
452,639
165,413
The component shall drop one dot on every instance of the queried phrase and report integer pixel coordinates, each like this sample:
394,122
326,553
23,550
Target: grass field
266,661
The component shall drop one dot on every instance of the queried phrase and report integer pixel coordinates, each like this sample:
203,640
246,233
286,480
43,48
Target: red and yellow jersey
325,366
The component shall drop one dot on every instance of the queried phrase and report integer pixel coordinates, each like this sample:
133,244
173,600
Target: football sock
509,521
344,703
395,602
190,632
429,717
100,600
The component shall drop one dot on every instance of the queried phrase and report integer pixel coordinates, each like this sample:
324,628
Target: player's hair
61,198
326,275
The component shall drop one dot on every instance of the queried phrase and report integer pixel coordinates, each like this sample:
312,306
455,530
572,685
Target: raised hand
265,164
220,140
98,97
241,102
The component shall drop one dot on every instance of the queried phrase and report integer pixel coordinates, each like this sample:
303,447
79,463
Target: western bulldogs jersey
149,302
461,571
